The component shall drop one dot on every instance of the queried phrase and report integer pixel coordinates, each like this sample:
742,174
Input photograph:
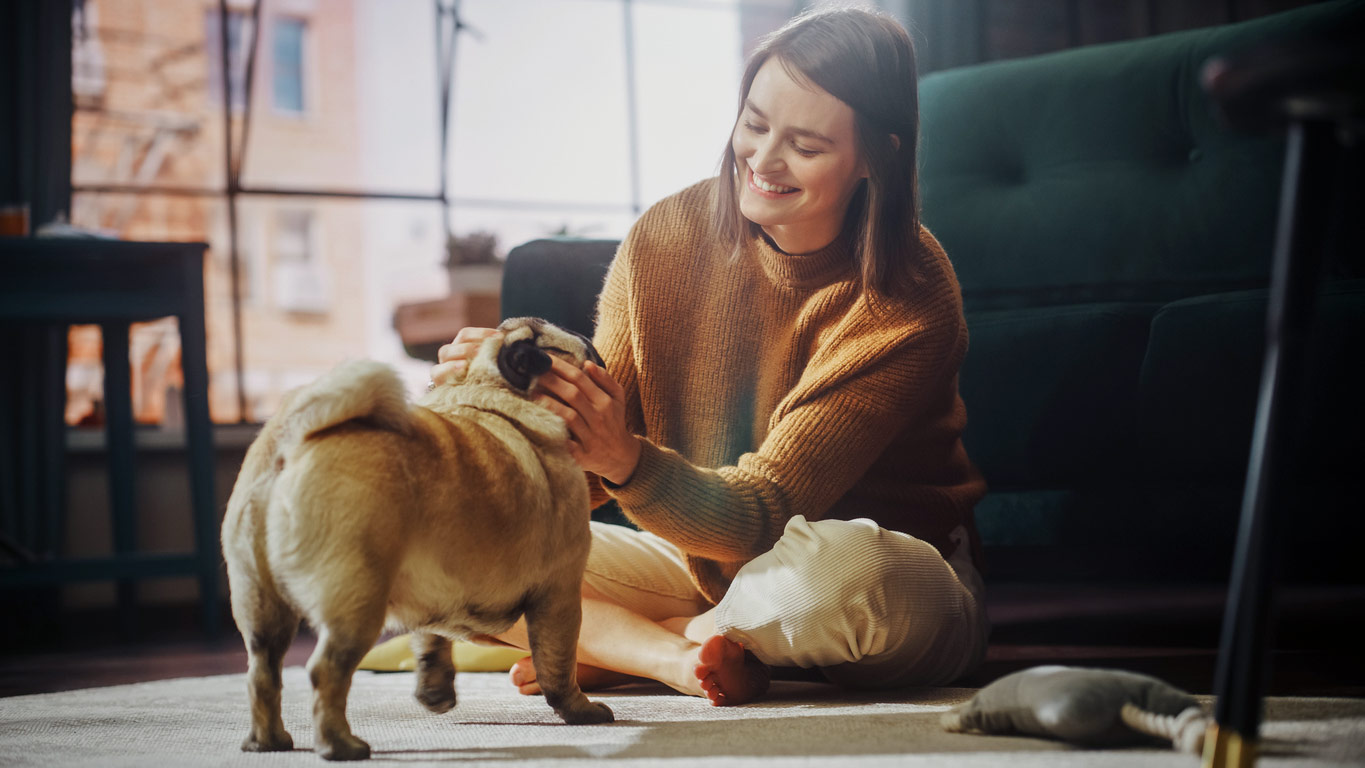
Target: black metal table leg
1243,659
1315,85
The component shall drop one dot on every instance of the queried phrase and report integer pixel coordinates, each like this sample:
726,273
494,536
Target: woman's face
797,154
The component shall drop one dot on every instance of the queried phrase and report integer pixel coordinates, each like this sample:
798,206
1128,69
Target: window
540,127
287,59
239,41
300,282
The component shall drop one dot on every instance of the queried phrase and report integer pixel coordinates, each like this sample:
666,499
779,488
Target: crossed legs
869,607
617,645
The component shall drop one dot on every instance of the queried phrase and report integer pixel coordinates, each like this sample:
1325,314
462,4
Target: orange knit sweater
770,385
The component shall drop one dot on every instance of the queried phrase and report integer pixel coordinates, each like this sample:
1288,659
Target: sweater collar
807,270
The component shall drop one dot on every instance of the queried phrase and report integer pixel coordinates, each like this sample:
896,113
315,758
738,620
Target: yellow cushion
395,655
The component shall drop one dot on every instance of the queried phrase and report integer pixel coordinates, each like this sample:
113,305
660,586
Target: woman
779,410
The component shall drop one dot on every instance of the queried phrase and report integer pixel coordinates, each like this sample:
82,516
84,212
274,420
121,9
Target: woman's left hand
593,406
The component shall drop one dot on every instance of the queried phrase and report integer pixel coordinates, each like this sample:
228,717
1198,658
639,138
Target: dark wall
35,106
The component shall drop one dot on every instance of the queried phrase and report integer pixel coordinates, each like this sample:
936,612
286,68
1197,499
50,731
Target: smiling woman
791,443
833,103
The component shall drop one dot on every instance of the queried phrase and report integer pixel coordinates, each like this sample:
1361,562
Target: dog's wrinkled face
523,353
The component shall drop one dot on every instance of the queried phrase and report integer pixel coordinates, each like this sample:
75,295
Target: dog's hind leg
552,624
435,672
267,624
348,626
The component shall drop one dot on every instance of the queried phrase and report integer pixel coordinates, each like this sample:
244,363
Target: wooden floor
1169,632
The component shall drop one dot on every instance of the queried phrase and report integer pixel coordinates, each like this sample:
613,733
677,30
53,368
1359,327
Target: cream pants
868,606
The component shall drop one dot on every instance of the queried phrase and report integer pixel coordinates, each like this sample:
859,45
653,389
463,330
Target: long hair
865,60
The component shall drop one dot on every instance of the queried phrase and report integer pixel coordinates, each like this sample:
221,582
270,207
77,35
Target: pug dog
450,517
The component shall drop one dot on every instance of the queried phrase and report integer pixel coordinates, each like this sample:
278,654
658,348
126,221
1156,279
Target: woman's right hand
453,358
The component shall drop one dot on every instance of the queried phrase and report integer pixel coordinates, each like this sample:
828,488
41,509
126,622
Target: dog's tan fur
450,517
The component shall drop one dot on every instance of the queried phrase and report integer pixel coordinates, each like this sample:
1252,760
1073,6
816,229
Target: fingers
476,334
595,387
604,380
565,398
465,345
448,372
579,430
453,358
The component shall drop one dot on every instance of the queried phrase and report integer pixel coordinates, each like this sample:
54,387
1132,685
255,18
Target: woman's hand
453,358
593,406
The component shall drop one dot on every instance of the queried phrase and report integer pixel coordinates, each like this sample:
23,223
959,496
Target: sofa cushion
1100,173
1202,375
1050,392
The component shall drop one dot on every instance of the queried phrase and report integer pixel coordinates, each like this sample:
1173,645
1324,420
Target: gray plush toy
1092,707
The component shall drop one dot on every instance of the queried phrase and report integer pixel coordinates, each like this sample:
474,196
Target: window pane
287,75
687,83
540,103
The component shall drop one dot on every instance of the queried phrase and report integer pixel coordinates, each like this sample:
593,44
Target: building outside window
300,279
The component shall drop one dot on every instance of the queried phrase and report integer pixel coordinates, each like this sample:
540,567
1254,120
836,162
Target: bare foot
727,674
523,675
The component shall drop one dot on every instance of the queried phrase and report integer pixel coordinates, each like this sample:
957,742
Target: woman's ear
895,142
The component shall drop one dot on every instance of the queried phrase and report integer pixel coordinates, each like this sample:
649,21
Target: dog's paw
346,747
590,713
281,743
438,700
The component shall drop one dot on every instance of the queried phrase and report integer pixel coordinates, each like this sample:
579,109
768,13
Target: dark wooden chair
46,285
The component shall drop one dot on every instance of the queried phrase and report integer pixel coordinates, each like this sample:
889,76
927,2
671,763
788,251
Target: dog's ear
522,361
591,350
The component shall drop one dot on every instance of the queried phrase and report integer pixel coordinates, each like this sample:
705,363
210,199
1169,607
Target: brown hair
865,60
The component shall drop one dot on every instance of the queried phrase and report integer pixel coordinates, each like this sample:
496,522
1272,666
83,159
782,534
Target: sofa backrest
1101,173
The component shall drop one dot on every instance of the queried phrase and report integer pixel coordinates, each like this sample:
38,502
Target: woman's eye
754,128
802,151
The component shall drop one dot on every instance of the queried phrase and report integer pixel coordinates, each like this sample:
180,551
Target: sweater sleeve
822,439
612,338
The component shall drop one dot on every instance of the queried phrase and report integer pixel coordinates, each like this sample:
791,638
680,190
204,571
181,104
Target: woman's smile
769,189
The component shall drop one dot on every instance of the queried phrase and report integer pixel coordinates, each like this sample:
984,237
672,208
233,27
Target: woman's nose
767,157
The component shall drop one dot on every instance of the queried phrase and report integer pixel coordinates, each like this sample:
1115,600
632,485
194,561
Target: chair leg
199,438
52,410
118,411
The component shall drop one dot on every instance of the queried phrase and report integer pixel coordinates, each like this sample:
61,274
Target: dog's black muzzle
521,361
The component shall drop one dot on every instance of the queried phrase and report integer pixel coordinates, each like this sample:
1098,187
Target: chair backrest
557,279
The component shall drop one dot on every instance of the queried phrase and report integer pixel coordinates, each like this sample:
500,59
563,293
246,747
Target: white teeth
766,187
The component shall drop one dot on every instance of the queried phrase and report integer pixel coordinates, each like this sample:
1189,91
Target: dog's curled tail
359,390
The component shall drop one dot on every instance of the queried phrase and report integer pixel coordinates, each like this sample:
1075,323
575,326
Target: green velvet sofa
1113,241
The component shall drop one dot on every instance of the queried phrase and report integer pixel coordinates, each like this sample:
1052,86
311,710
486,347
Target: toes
522,672
728,674
523,677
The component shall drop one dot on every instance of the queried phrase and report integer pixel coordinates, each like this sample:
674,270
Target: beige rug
201,721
